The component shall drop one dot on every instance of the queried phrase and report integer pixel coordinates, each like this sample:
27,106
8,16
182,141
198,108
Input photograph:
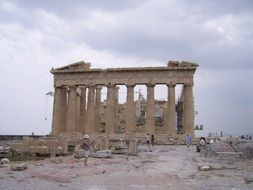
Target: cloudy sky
38,35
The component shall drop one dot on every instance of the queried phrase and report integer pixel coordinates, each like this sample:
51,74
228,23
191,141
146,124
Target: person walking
86,145
148,141
152,140
188,141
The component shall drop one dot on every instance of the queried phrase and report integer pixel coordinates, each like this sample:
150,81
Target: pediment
78,66
181,64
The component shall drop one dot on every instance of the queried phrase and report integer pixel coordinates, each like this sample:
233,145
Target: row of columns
70,113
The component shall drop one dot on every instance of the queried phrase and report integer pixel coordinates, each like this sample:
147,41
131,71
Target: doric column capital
130,85
71,87
82,87
171,85
78,90
110,85
190,84
152,85
98,87
90,86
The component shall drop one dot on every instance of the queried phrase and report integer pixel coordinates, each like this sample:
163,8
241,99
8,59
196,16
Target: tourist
148,141
188,141
202,141
86,145
202,146
152,140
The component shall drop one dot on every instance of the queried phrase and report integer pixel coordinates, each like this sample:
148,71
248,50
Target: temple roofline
82,66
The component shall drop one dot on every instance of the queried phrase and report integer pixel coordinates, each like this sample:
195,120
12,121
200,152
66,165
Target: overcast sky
38,35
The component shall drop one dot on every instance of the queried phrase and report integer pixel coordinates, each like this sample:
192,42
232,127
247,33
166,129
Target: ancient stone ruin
74,112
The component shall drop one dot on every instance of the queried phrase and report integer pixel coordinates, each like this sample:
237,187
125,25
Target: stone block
5,161
102,154
15,146
132,148
26,141
78,152
39,142
39,149
56,150
52,143
104,144
18,167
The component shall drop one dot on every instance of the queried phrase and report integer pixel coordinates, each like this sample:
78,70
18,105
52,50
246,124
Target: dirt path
166,167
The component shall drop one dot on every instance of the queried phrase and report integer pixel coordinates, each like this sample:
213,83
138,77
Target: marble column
83,110
78,111
150,118
110,110
59,110
116,109
171,107
188,109
72,110
97,109
90,111
130,111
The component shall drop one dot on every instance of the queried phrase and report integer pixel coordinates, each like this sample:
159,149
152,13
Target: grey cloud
65,8
152,30
185,37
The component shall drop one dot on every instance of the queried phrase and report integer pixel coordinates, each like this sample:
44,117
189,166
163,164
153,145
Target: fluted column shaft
110,110
83,110
171,128
90,111
130,111
116,108
72,110
59,111
150,119
97,109
188,110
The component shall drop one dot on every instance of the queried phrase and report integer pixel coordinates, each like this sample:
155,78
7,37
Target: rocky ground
166,167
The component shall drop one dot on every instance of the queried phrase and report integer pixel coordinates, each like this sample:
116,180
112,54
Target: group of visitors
247,137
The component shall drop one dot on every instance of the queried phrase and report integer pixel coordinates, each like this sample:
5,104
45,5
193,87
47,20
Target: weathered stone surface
204,168
102,154
246,147
248,180
56,160
78,152
120,150
5,151
18,167
57,178
212,149
5,161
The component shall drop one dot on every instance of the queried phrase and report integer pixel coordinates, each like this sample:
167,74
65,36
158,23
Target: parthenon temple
78,107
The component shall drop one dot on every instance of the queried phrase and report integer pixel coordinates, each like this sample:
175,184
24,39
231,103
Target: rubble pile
5,151
212,149
246,147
